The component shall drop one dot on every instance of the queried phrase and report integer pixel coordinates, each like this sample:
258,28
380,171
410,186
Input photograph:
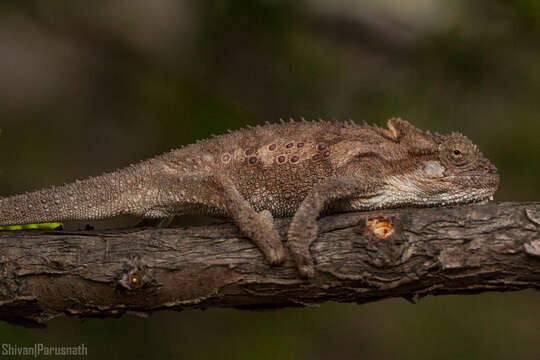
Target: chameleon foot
270,242
300,237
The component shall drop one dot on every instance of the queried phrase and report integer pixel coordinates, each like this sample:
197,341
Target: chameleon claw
305,266
275,256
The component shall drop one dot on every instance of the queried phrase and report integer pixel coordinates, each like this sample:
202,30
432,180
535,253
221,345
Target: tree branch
360,257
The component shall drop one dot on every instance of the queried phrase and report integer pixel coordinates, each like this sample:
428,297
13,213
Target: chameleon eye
458,152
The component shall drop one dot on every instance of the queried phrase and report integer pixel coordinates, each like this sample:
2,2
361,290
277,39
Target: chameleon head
454,172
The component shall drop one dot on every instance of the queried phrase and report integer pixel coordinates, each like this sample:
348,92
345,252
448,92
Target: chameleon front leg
304,230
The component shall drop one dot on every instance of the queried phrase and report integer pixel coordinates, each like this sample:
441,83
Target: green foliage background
87,87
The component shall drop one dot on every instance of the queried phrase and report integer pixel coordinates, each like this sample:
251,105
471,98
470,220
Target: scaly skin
300,169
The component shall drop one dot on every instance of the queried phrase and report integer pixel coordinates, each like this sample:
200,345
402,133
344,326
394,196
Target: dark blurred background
90,86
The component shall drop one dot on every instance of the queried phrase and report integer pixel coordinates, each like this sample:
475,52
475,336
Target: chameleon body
301,169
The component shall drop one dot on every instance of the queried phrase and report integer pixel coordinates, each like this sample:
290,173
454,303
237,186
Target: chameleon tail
91,199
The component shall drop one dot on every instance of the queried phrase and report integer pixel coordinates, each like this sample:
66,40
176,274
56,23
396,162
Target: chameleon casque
298,168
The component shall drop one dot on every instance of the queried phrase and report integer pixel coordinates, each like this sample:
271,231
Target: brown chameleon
301,169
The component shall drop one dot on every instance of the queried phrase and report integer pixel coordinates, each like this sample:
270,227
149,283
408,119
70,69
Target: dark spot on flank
252,160
300,145
226,158
289,145
316,157
327,153
272,147
295,159
281,159
321,147
249,152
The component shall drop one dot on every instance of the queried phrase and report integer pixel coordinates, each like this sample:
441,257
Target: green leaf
44,226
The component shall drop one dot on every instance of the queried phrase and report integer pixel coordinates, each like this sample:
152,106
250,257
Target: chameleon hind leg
221,193
259,227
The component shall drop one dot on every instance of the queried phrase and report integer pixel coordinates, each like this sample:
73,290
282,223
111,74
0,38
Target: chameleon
300,169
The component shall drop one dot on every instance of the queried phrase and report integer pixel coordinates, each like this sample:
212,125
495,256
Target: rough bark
360,257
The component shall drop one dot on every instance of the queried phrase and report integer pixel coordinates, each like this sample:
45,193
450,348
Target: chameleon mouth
477,201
